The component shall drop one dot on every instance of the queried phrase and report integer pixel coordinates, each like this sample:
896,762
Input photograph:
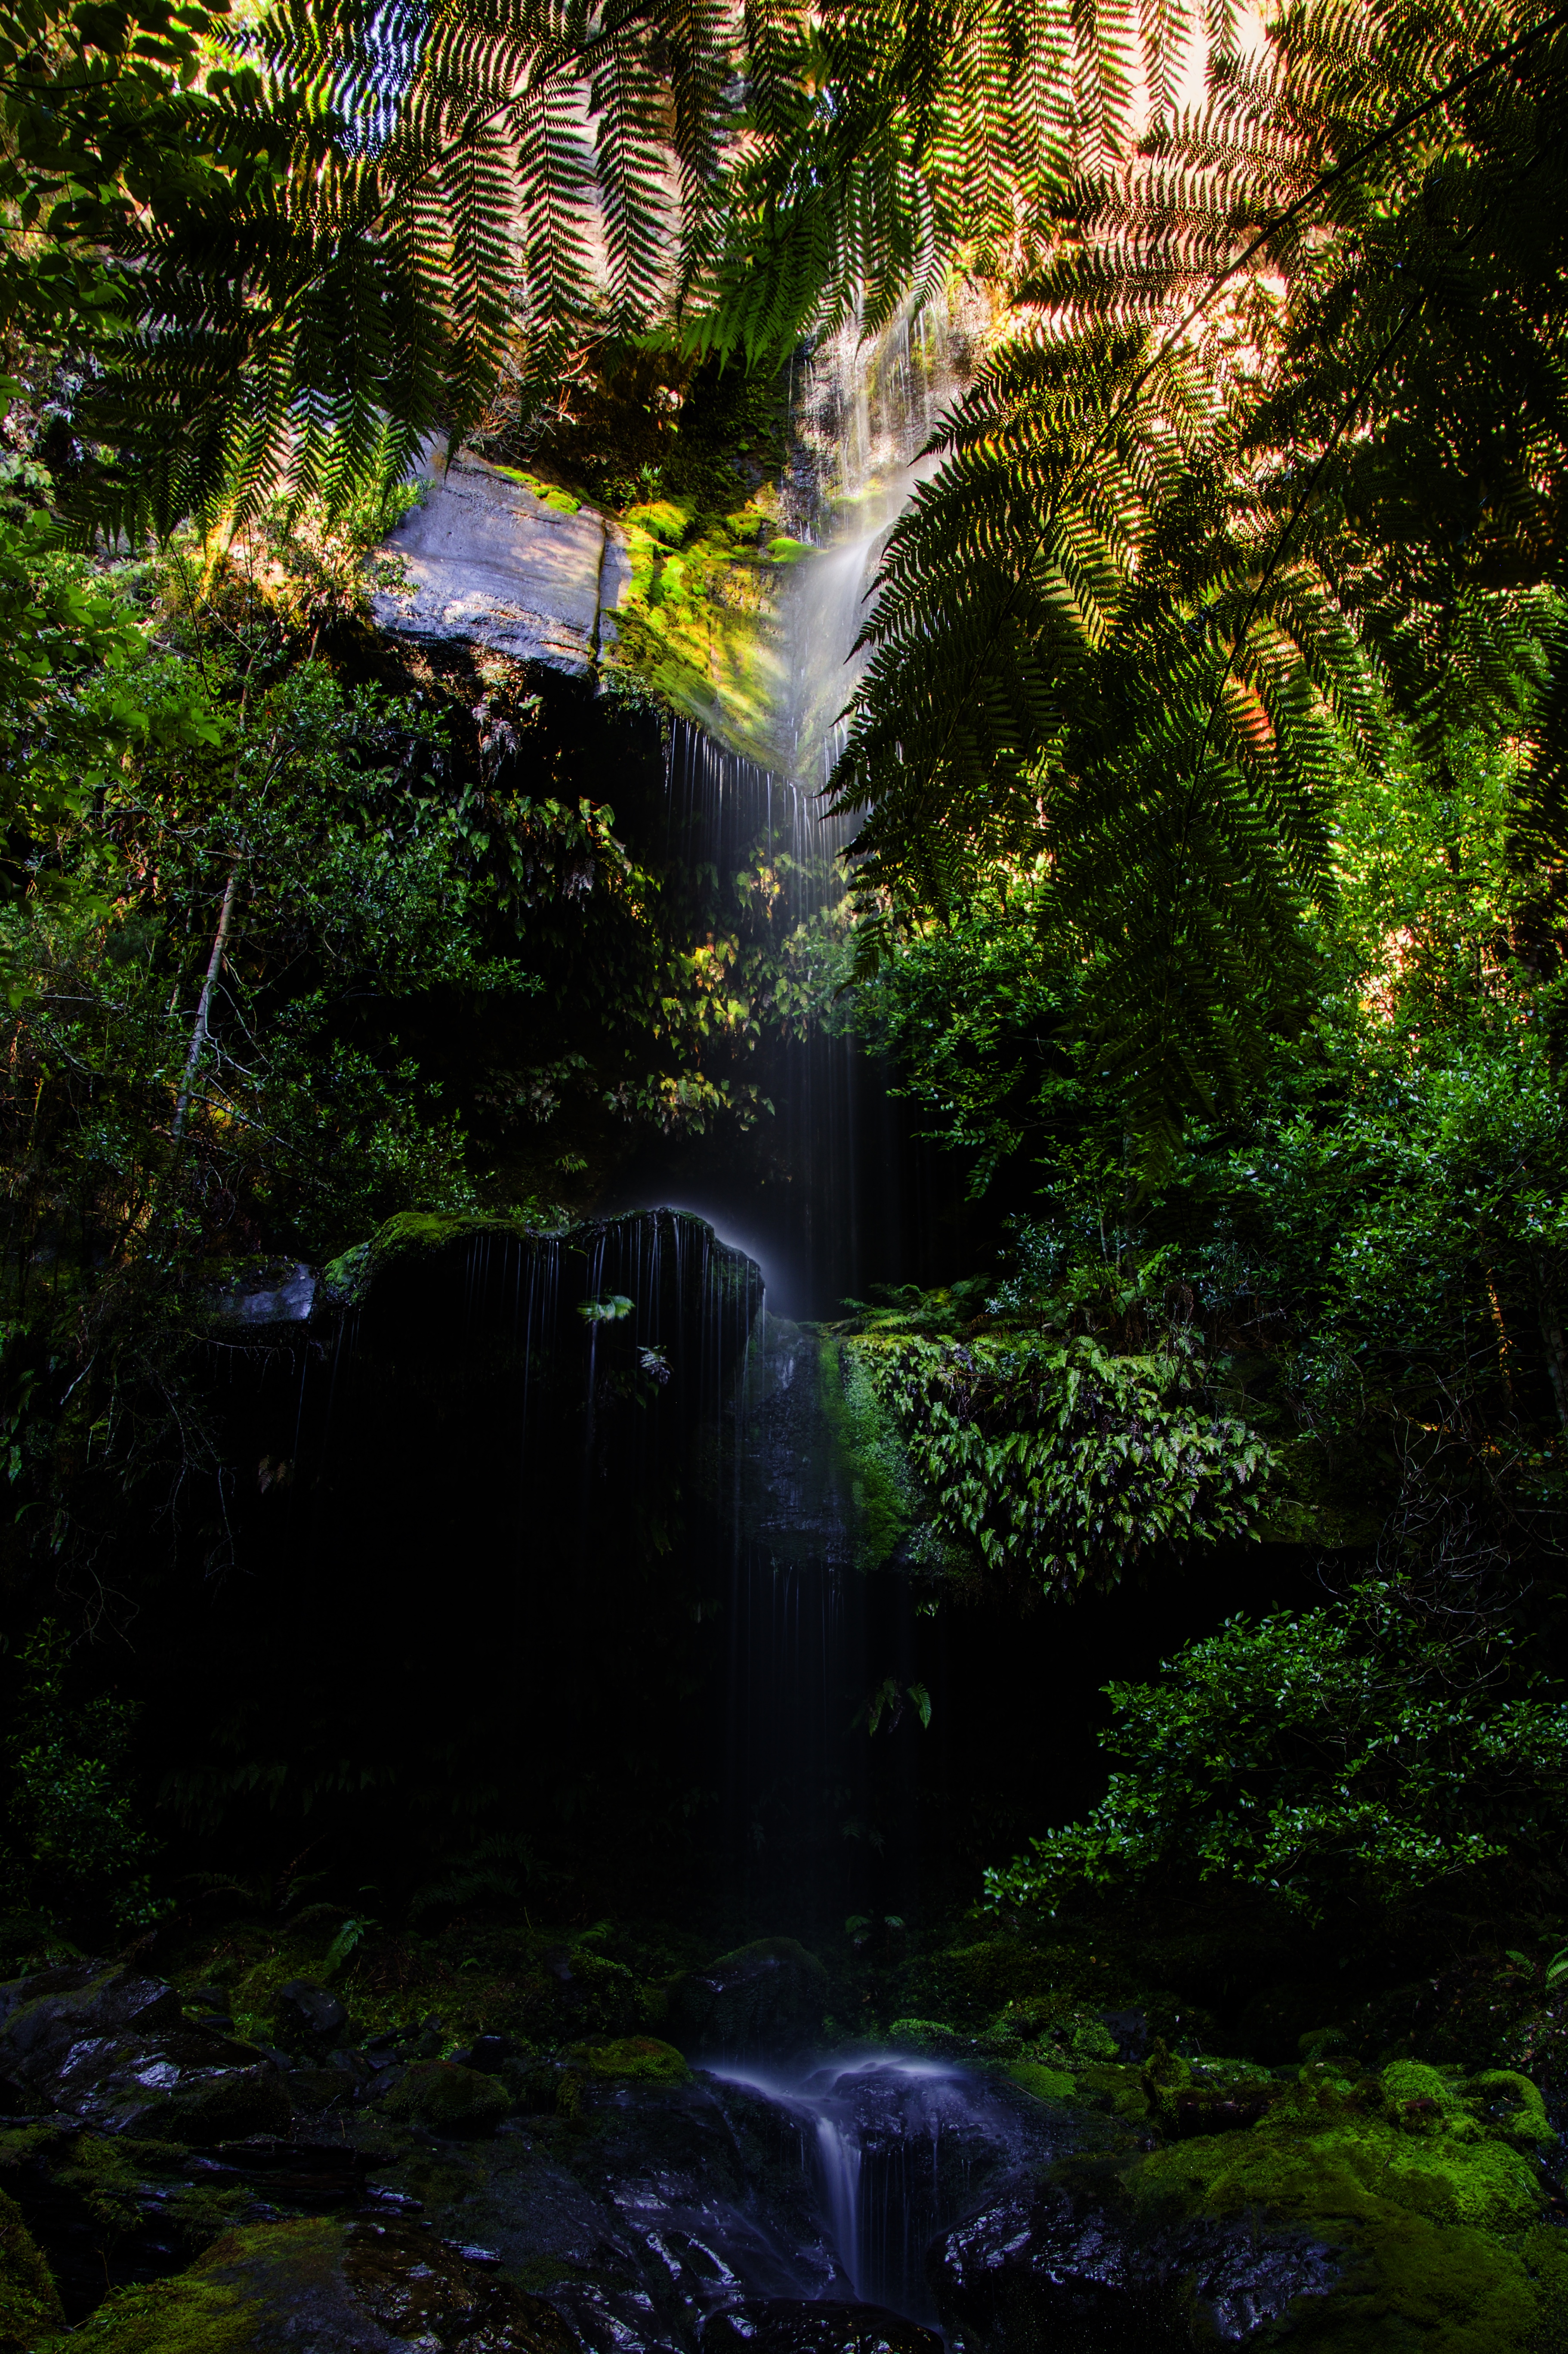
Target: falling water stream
637,1350
892,2142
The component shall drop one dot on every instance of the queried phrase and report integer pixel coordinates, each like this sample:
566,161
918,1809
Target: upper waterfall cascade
536,576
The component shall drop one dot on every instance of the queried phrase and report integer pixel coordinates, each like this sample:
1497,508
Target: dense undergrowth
1220,1489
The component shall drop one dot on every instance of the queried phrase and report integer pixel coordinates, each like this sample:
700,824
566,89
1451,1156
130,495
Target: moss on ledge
29,2302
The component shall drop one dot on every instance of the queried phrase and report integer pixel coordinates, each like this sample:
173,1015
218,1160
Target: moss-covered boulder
770,1996
1366,2213
29,2301
639,2059
443,2097
317,2283
970,1984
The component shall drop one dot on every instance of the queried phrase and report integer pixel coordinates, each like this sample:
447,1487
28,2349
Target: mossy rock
930,2036
29,2302
987,1977
1320,2154
641,2059
1046,2084
1443,2243
354,2287
768,1996
1114,2088
1508,2107
443,2097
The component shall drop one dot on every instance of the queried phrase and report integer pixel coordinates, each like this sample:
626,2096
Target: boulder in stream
1045,2268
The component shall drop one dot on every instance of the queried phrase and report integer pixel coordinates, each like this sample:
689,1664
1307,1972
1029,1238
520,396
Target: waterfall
864,410
895,2144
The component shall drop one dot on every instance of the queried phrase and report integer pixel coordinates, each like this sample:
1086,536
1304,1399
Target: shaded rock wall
466,1609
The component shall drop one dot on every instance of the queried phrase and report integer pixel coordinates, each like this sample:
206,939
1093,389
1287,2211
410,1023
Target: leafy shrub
75,1850
1350,1753
1061,1462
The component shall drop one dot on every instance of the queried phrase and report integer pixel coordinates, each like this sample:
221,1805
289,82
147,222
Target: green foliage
1229,472
61,631
888,1701
302,244
1359,1755
29,2301
295,805
1082,671
1059,1464
75,1849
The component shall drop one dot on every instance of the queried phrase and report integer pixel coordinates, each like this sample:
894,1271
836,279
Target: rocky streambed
169,2185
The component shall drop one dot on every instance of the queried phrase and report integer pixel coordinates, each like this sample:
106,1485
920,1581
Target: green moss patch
445,2098
1443,2234
1046,2084
29,2302
642,2058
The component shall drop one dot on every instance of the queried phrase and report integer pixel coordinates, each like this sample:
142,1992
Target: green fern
1286,445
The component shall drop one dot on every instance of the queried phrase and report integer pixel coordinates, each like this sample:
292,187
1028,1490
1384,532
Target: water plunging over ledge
899,2147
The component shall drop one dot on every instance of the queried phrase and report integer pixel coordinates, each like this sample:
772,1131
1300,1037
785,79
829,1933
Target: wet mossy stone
1510,2107
1423,2099
1441,2237
29,2301
641,2059
112,2048
769,1996
1053,2267
1319,2153
445,2098
309,2016
354,2288
971,1982
1046,2084
930,2036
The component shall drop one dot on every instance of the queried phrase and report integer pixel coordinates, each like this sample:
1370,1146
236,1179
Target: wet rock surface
635,2202
1052,2268
486,559
604,2195
112,2049
337,2288
647,2208
784,2327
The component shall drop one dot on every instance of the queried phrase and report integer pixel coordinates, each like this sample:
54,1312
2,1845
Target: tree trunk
199,1031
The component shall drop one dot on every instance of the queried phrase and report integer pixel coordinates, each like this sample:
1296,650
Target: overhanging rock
487,559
